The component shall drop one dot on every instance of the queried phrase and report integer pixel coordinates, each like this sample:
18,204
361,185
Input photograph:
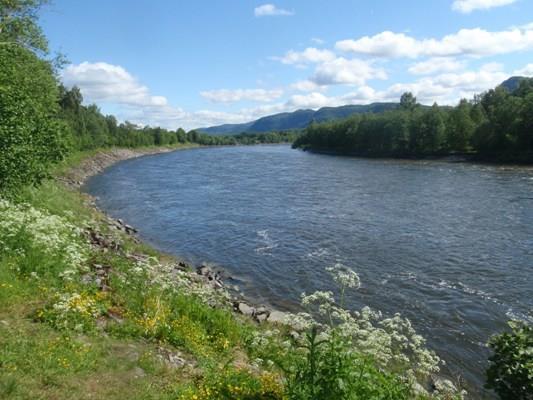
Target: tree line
90,129
497,125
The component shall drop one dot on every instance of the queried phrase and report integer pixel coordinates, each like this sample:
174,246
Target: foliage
31,136
18,24
29,235
510,373
496,126
236,384
331,370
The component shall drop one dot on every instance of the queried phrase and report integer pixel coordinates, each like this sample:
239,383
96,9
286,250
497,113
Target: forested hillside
497,125
298,119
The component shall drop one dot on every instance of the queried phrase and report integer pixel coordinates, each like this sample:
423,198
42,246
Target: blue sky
191,64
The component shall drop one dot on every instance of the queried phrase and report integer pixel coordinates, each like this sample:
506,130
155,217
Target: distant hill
513,83
297,120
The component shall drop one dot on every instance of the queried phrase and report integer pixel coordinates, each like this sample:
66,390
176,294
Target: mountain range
296,120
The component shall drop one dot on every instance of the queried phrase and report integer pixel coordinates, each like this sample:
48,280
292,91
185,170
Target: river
448,245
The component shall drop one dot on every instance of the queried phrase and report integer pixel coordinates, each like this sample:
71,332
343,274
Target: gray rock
277,317
204,270
138,372
245,309
261,310
261,317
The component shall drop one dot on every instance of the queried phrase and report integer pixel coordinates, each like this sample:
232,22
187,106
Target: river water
448,245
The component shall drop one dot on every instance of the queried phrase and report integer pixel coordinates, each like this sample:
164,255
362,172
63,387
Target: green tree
460,127
408,101
31,135
18,24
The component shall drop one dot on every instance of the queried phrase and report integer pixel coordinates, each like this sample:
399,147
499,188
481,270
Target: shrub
510,373
31,136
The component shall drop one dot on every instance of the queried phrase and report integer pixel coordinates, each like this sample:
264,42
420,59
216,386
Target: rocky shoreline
95,164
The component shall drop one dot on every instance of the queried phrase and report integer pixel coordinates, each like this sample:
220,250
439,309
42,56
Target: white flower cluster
392,342
50,233
344,277
167,277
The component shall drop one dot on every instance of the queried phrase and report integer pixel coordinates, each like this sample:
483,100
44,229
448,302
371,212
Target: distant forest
90,129
497,126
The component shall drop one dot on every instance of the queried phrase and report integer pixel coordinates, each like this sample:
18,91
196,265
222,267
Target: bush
510,373
31,136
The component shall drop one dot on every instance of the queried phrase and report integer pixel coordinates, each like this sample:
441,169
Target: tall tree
18,24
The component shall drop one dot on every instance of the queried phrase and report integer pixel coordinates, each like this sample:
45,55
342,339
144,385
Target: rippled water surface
448,245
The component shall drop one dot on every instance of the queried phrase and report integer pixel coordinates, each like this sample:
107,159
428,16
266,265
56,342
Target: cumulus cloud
312,100
309,55
270,10
343,71
103,82
526,71
232,96
447,88
466,42
435,65
467,6
306,86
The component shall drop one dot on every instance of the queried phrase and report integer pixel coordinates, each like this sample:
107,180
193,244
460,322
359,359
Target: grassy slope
122,361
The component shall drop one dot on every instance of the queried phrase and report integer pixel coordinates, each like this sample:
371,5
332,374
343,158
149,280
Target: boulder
245,309
277,317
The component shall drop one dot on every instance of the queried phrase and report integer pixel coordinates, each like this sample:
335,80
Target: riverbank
88,311
78,168
94,163
524,160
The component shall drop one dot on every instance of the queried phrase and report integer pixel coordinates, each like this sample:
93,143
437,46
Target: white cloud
467,6
103,82
526,71
306,86
113,85
232,96
448,88
309,55
384,44
270,10
466,42
343,71
312,100
436,64
318,40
